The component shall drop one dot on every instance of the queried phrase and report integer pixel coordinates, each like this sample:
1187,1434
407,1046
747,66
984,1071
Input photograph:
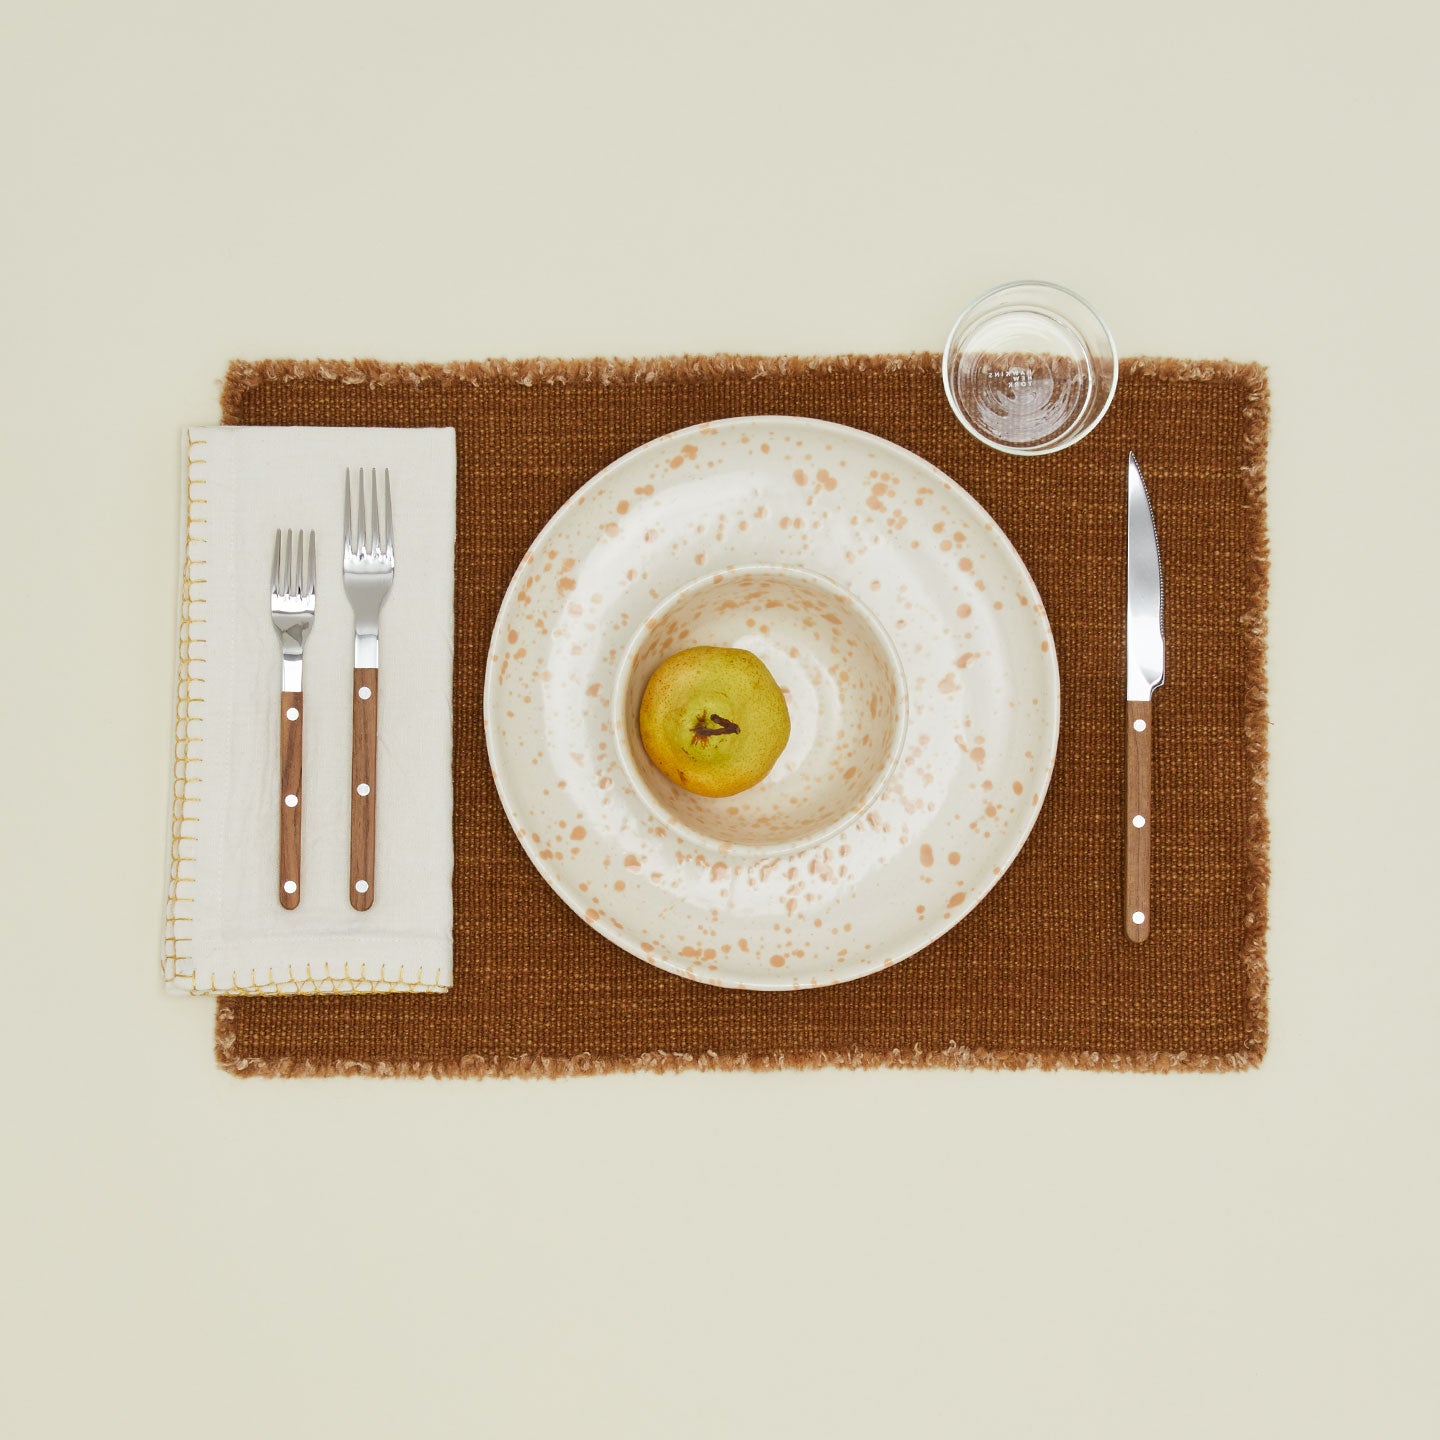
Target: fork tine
361,533
389,525
275,568
289,570
310,571
349,533
374,516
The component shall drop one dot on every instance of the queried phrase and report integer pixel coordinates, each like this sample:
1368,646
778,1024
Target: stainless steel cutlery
292,610
369,573
1144,673
368,564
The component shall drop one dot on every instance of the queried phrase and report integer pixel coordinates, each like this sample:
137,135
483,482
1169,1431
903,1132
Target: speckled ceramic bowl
981,702
843,684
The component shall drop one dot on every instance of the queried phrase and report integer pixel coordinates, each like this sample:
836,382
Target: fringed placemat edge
245,375
953,1057
1255,626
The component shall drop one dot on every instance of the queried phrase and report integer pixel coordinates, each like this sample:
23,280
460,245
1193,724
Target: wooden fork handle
364,731
1137,819
292,721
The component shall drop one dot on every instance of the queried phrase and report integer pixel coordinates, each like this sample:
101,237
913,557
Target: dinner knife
1144,673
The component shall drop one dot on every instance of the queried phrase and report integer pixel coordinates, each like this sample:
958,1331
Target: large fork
292,609
369,571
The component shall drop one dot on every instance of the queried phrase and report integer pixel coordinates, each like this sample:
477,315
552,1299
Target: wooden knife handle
365,728
292,722
1137,819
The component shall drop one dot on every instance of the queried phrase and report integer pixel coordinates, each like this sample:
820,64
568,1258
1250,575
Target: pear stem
722,726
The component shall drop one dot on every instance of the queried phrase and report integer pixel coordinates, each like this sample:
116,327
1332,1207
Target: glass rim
1067,437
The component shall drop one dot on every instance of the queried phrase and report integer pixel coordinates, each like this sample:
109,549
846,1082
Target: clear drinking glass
1030,368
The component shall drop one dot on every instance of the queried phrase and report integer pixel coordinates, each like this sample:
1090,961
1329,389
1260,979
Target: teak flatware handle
1137,819
364,731
292,723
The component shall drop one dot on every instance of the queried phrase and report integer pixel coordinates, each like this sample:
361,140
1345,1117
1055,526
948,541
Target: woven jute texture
1041,974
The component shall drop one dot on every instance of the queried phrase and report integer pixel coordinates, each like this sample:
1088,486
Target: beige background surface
713,1255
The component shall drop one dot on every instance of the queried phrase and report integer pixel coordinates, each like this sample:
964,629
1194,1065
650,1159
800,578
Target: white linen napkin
226,932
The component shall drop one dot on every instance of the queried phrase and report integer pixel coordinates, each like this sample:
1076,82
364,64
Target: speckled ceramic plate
855,569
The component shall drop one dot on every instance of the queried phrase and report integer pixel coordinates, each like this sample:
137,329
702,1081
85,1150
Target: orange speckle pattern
911,711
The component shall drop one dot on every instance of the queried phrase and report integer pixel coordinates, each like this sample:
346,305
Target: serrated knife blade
1144,593
1144,672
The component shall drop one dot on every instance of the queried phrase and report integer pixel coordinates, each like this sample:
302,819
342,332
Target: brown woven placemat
1041,973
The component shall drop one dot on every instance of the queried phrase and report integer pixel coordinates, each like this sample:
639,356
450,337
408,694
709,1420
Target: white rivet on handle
362,788
364,692
362,886
1138,822
292,801
291,887
1139,724
292,713
1138,917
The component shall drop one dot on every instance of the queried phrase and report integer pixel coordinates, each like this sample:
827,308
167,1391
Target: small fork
292,610
369,572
